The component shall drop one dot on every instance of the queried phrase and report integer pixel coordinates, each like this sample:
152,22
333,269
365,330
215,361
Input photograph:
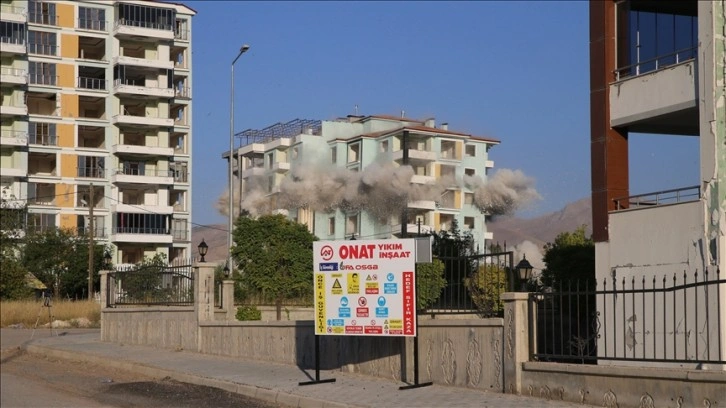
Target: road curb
247,390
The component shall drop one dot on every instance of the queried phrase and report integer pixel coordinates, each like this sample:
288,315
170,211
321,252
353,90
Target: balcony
142,62
12,45
183,93
43,80
145,235
92,25
141,121
43,49
280,167
181,35
421,155
423,204
13,172
253,172
411,229
142,150
131,87
92,84
135,176
135,208
43,140
13,110
13,76
12,13
13,138
143,30
43,19
418,179
663,101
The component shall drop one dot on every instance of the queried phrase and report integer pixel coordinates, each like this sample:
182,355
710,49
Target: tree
13,282
455,249
144,282
275,257
569,259
485,287
430,282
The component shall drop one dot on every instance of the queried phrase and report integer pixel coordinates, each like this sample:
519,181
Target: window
92,18
90,166
331,226
179,171
354,152
133,168
351,224
40,12
469,198
142,223
295,152
470,150
180,30
469,222
470,172
41,222
384,146
146,17
43,43
269,160
179,229
42,134
448,150
12,33
42,73
333,154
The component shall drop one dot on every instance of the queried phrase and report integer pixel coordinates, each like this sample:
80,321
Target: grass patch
26,312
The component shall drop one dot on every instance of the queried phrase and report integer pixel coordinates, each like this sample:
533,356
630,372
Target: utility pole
90,243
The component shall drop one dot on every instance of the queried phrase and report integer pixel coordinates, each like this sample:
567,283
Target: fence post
204,291
228,299
104,298
516,339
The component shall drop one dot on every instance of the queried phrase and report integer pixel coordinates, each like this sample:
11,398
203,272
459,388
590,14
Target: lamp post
107,259
203,248
524,269
242,50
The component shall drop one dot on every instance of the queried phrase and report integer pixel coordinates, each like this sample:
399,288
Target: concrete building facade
354,171
658,68
96,120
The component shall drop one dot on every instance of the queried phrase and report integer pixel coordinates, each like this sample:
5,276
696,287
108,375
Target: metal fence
171,285
674,319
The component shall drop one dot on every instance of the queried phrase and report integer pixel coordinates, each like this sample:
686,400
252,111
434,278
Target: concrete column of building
228,299
516,339
204,291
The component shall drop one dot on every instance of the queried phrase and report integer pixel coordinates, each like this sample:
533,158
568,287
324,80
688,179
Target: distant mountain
512,230
544,228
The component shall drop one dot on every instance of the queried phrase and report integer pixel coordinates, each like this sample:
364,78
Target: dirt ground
33,380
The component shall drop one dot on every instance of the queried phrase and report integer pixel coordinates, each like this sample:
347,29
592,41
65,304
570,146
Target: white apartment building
96,119
342,178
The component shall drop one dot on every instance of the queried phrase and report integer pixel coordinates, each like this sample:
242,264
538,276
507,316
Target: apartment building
351,166
96,120
657,67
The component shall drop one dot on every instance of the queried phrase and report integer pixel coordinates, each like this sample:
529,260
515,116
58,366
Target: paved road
35,381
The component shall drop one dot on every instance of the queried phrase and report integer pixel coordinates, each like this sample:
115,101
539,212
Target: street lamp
524,268
107,259
203,248
242,50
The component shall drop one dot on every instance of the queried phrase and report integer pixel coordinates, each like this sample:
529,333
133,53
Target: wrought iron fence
171,285
666,320
474,283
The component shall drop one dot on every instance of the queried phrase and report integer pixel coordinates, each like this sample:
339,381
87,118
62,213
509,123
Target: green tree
485,287
454,248
430,282
275,257
569,259
144,282
13,283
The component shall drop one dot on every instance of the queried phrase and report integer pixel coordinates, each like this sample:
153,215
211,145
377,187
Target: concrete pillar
516,339
204,291
104,298
228,299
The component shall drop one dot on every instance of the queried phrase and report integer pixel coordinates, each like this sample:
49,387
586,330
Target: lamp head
244,48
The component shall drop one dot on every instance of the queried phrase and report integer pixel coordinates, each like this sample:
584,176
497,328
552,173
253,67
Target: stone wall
164,327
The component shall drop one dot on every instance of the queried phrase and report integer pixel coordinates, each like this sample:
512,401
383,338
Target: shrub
248,313
485,287
429,283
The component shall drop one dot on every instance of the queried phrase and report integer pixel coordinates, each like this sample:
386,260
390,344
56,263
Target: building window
331,226
469,198
42,134
42,73
43,43
333,154
40,12
12,33
470,172
39,222
351,224
90,166
384,146
90,18
179,229
470,150
146,17
354,152
469,222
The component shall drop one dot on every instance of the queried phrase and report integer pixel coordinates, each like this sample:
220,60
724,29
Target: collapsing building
373,177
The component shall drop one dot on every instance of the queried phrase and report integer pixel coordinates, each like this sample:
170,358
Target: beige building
96,120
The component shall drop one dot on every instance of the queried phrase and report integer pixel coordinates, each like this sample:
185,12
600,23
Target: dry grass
27,312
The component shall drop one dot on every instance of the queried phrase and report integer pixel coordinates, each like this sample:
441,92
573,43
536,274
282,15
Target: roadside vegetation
80,313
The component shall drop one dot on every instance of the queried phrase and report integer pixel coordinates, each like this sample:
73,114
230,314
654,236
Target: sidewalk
272,382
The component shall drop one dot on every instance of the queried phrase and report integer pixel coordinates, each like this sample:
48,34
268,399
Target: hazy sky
514,71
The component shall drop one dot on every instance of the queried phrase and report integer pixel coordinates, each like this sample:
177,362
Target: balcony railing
181,35
97,231
675,196
98,84
12,40
41,18
43,49
8,9
91,172
144,172
48,201
141,230
655,64
41,79
183,92
95,25
15,134
44,140
144,24
13,72
180,234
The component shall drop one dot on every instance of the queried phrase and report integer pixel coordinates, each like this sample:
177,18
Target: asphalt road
36,381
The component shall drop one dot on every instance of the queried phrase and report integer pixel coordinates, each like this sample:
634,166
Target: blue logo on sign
328,266
336,322
381,312
390,288
381,301
344,301
389,277
344,311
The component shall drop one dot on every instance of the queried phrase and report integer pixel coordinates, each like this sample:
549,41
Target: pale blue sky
514,71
